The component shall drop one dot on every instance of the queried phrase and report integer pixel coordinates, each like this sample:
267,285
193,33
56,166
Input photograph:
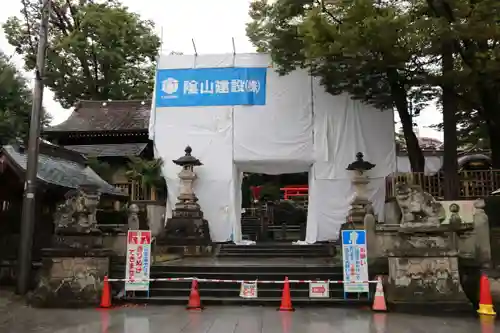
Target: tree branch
28,26
321,3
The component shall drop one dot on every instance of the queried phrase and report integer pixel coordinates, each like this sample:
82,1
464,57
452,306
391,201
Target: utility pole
29,201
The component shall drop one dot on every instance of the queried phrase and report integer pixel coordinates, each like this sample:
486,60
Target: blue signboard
355,261
210,87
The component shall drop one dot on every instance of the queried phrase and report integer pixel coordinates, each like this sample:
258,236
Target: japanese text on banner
355,261
210,87
138,260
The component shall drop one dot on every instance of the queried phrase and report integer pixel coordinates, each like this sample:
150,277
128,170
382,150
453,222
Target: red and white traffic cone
194,303
286,299
106,294
379,299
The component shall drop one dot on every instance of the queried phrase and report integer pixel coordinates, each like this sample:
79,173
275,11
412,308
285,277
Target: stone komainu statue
418,208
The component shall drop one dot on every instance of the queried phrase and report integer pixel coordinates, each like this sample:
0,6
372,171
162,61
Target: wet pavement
222,319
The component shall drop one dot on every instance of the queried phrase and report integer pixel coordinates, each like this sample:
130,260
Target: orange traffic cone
106,294
194,297
286,300
379,299
485,301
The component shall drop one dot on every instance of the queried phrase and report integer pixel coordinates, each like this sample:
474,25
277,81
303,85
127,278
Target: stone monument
74,267
418,208
360,181
422,253
187,225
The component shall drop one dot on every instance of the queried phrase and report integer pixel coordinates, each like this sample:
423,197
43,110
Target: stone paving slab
221,319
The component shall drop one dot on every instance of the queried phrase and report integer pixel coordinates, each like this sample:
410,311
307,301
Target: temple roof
94,116
56,170
109,150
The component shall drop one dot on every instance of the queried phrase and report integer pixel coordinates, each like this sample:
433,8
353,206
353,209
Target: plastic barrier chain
239,281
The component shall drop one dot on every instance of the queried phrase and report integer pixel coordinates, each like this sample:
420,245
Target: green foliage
15,103
146,172
103,169
389,53
379,53
473,27
352,46
97,49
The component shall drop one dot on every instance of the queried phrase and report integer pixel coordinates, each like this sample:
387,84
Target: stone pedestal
360,202
360,181
71,277
73,269
423,270
185,228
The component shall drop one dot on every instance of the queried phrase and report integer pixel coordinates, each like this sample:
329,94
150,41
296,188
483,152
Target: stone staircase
277,249
270,262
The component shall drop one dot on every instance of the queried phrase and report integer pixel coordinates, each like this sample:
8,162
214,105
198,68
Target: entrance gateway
238,115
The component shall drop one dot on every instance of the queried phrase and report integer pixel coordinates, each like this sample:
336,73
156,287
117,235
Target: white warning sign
248,289
319,290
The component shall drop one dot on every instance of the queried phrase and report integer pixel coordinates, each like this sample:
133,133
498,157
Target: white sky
211,24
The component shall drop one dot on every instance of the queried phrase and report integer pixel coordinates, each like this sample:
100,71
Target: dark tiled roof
61,172
91,116
110,150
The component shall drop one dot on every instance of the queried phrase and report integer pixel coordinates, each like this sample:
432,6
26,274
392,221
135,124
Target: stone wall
424,280
117,243
495,246
71,279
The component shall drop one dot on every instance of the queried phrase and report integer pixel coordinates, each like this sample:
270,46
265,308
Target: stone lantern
187,199
187,225
359,180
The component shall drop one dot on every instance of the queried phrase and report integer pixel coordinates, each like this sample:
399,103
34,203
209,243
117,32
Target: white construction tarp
275,138
299,128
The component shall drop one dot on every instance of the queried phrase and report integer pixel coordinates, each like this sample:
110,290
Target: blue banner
210,87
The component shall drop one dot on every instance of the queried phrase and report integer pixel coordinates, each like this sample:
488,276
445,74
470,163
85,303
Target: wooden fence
140,192
473,184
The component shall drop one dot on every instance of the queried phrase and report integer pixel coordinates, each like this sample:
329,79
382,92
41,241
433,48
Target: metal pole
28,213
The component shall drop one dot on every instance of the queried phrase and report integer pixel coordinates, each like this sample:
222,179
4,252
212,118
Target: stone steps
248,263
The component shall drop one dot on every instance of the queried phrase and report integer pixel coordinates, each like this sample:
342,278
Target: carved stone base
77,241
71,278
184,231
425,280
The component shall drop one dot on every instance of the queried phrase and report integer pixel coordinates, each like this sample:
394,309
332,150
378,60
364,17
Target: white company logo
170,86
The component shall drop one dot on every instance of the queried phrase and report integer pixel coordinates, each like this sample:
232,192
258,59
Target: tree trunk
494,137
415,155
486,85
450,163
490,106
399,96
